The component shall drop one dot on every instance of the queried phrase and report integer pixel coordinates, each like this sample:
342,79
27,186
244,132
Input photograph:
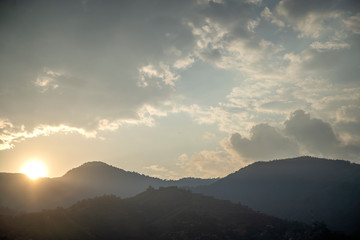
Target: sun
34,170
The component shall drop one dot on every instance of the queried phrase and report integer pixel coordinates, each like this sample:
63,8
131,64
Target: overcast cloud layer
178,88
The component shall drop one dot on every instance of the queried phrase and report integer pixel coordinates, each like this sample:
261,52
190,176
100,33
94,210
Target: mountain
98,178
167,213
89,180
305,189
101,178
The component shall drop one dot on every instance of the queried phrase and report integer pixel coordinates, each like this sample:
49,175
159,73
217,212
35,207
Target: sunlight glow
34,169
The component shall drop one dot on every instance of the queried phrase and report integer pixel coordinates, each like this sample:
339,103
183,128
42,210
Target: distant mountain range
305,189
167,213
91,179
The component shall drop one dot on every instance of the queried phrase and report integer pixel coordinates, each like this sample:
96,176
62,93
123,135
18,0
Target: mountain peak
95,164
93,169
298,165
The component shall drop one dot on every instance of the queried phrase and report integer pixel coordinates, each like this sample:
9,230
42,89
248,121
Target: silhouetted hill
89,180
98,178
303,189
167,213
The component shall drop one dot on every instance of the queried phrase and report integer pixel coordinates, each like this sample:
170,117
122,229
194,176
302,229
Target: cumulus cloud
265,143
316,135
300,134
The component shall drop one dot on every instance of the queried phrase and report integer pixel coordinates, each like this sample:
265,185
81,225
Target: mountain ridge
303,189
166,213
90,179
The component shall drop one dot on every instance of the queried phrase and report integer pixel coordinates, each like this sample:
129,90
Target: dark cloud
301,135
317,136
211,55
298,9
266,142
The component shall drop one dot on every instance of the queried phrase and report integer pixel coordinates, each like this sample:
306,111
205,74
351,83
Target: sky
178,88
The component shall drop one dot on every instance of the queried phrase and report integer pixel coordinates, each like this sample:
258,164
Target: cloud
149,74
156,168
209,136
308,17
323,46
145,116
316,135
117,63
105,67
48,80
111,67
161,172
268,16
353,23
184,62
331,60
209,164
297,10
11,134
265,143
348,124
300,135
89,68
317,19
234,45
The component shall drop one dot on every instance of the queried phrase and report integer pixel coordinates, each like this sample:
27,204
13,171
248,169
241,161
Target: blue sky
178,88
